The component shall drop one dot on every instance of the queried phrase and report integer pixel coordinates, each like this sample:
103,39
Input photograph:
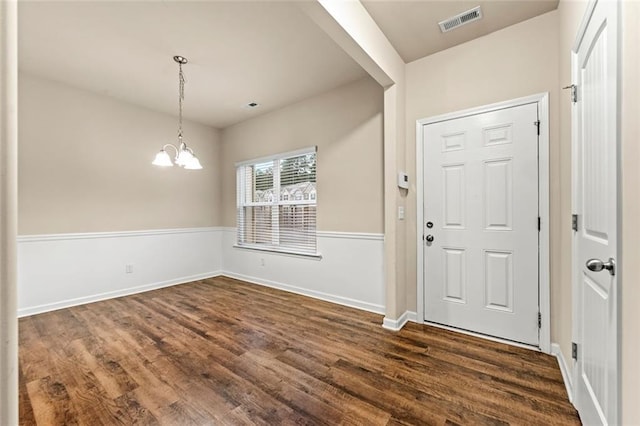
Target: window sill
316,256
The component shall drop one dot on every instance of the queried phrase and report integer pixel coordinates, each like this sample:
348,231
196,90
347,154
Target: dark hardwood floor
221,351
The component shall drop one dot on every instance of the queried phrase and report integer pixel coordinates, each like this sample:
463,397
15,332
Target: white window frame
275,204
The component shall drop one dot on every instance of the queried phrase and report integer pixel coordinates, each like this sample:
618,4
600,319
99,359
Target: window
275,210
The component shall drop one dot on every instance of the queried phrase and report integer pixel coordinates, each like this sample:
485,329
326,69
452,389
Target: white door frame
542,99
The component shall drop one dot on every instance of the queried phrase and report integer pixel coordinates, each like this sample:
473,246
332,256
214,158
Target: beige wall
346,126
630,213
518,61
85,165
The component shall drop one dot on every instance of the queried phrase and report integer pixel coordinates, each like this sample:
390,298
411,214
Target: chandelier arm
164,148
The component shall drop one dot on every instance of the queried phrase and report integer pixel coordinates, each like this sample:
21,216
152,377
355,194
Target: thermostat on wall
403,180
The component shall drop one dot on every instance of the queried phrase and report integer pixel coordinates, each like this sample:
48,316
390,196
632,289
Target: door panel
481,193
498,280
454,196
455,278
498,198
595,202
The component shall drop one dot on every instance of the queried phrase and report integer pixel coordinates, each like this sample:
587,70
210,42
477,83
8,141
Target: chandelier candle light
184,155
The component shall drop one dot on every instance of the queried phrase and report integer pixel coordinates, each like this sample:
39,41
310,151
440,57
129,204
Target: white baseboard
395,324
352,303
564,369
23,312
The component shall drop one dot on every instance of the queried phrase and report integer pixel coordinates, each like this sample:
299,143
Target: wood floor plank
133,412
224,352
52,401
25,408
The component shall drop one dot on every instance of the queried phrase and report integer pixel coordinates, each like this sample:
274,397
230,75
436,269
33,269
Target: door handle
429,238
597,265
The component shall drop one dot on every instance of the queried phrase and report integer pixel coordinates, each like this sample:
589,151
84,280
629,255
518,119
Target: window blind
276,204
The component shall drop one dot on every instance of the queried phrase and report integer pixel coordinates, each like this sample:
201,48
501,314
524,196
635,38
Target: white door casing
595,201
481,194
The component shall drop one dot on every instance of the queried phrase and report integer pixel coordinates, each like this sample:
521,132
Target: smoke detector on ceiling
460,19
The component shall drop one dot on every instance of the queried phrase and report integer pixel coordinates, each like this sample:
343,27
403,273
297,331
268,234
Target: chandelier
184,155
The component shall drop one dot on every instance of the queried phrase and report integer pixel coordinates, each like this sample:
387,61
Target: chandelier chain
180,99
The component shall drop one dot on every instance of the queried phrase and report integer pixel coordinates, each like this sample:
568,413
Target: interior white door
595,202
481,213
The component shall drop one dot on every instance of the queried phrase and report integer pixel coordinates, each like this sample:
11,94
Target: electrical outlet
128,269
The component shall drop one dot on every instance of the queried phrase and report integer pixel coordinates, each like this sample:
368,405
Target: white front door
481,215
481,223
595,203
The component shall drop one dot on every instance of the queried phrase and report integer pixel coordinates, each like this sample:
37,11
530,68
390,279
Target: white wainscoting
57,271
350,271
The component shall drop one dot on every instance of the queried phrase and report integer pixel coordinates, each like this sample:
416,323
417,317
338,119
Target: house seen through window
276,207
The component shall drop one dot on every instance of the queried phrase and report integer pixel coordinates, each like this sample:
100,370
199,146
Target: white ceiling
238,51
412,26
266,51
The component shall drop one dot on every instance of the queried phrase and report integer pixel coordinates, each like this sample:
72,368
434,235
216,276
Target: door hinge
539,223
539,320
574,92
574,222
537,124
574,351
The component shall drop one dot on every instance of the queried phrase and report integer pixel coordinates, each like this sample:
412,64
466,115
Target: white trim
532,99
412,316
118,234
345,301
575,207
542,99
564,369
330,234
276,250
113,294
350,235
8,211
295,153
545,219
319,234
420,221
482,336
582,29
397,324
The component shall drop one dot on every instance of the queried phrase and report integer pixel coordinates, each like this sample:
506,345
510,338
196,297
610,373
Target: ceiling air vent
460,19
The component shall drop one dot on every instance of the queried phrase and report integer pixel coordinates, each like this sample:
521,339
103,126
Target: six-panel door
481,193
